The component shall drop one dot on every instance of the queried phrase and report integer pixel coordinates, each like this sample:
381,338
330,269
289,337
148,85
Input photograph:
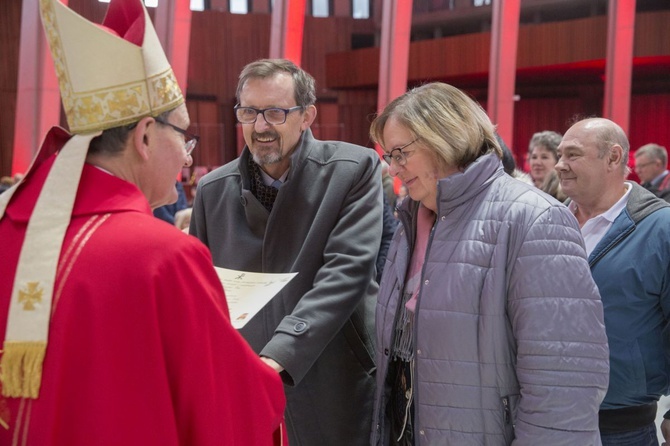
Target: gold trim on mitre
106,81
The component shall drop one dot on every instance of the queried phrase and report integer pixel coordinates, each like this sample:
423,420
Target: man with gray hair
651,161
626,230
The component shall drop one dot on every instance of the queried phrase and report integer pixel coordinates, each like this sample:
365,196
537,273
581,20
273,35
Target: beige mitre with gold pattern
109,76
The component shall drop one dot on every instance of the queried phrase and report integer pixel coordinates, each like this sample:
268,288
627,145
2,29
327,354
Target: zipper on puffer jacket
506,410
509,403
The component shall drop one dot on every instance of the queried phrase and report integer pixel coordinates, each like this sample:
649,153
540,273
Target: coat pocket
359,348
509,406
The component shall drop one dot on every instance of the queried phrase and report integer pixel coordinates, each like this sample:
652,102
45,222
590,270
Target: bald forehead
579,135
596,131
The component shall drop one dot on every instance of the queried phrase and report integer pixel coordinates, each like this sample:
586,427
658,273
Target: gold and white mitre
109,76
107,81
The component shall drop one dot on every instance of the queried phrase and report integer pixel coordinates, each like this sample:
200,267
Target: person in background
627,234
182,219
387,184
402,194
389,225
6,183
389,221
291,203
552,186
542,155
651,162
115,327
168,212
479,339
509,164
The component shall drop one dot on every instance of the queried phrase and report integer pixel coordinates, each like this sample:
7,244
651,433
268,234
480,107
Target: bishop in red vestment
140,351
114,325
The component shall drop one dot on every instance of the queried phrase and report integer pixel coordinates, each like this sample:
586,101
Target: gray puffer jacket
510,345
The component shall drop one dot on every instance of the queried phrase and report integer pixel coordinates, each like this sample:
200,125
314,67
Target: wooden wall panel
452,56
649,118
562,42
10,31
342,8
357,110
324,36
221,44
204,116
358,68
327,125
262,6
651,34
547,44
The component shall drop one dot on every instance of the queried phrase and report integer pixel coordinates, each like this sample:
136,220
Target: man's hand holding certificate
247,293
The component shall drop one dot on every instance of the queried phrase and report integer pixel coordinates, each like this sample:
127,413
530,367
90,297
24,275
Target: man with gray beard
291,203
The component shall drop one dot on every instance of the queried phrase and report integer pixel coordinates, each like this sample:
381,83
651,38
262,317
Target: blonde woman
489,325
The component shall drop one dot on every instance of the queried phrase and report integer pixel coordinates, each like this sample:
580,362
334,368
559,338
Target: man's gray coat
325,225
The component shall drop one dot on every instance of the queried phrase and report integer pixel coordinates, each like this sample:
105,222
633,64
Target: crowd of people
477,305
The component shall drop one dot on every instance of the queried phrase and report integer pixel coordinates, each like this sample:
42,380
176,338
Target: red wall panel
649,120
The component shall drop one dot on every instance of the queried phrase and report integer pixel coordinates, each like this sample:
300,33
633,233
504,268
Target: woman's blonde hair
445,120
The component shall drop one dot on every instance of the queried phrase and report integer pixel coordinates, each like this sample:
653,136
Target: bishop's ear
145,131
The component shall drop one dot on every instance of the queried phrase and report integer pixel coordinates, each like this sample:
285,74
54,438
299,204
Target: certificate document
247,293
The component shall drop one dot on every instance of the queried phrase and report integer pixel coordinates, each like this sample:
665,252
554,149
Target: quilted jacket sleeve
557,321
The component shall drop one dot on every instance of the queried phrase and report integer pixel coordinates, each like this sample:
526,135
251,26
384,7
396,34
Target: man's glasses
190,140
273,116
398,155
643,165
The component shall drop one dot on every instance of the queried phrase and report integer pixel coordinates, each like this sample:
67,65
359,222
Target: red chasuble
140,348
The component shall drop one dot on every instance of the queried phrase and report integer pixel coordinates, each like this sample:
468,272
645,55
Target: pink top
424,224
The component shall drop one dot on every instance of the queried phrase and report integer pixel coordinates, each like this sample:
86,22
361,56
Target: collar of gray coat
463,186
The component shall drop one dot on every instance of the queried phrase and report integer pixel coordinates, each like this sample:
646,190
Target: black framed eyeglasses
398,155
643,165
273,115
190,140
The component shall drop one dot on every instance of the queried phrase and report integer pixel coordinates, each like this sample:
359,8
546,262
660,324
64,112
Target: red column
173,26
394,51
288,22
619,70
502,66
37,93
